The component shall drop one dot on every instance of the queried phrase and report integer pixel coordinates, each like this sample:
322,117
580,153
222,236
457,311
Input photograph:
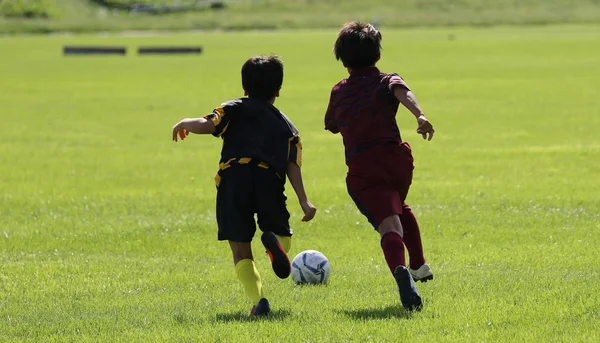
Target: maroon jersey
363,109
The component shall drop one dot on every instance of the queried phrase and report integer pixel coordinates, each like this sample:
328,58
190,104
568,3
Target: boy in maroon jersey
380,165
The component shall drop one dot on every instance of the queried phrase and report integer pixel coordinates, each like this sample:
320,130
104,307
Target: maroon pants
378,181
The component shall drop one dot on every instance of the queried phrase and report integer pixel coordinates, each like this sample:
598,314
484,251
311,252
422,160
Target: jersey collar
364,71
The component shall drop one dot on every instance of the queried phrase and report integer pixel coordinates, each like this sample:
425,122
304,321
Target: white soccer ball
310,266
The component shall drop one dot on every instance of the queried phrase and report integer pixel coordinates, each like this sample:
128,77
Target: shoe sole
279,259
425,279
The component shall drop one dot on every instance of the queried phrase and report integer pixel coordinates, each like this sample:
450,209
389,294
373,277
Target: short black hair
262,76
358,45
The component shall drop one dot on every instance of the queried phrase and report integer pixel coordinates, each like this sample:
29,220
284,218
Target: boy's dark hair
262,76
358,45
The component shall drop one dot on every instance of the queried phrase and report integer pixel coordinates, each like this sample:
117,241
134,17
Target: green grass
86,16
27,8
107,229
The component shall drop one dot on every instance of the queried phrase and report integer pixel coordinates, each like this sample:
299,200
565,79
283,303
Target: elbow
206,127
332,128
208,130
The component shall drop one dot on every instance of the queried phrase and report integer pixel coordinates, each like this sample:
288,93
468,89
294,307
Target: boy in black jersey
261,147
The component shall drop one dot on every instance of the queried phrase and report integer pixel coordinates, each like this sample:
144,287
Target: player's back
363,109
258,130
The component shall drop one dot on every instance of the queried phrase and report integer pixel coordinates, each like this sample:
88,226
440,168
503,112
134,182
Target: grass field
88,16
107,228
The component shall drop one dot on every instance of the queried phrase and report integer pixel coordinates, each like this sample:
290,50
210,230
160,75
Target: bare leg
241,251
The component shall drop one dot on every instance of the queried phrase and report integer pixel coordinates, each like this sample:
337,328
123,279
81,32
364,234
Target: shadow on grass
245,316
302,285
395,311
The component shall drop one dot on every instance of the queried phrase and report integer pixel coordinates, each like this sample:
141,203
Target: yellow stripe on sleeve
219,113
299,153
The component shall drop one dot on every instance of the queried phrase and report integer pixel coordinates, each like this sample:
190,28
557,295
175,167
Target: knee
391,224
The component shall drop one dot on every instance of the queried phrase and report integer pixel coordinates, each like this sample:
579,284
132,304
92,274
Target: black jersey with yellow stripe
255,130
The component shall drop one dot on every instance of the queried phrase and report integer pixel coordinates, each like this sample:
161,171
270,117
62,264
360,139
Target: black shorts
246,190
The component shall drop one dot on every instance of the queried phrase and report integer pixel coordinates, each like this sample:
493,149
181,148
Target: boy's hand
192,125
425,128
178,130
309,210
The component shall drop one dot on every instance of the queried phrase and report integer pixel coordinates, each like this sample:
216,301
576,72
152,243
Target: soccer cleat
279,259
261,309
408,292
422,274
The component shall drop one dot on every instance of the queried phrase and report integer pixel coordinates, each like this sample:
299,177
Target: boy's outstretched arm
294,174
193,125
408,99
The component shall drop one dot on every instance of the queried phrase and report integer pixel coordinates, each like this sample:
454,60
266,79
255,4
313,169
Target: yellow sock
286,242
248,274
